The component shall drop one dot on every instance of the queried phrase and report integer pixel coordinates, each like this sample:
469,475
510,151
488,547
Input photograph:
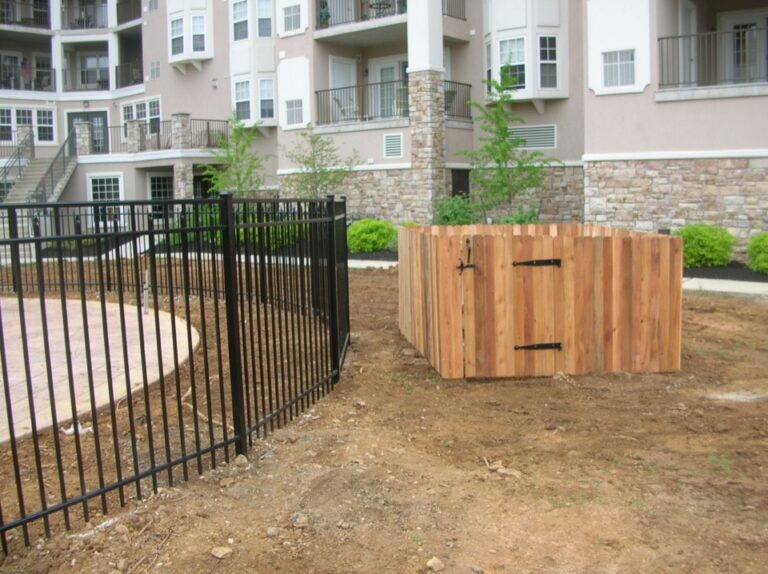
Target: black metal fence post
333,307
229,257
13,232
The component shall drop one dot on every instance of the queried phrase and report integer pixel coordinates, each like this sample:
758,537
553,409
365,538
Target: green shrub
523,214
456,210
706,245
368,235
757,253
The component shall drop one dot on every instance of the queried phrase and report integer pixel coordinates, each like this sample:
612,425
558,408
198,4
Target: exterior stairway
23,189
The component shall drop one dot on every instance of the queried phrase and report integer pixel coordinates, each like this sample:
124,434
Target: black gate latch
462,266
537,263
539,347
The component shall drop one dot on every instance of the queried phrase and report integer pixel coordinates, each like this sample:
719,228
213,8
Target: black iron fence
21,77
142,342
208,133
24,13
714,58
457,97
335,12
129,73
366,102
62,163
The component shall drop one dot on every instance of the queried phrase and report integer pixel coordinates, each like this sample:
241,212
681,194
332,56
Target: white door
387,94
343,95
744,48
688,27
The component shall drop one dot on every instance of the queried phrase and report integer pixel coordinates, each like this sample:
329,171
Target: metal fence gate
141,341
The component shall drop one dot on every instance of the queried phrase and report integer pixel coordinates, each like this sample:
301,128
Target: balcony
156,135
128,10
714,59
86,79
129,74
27,78
457,96
363,103
25,13
83,16
336,12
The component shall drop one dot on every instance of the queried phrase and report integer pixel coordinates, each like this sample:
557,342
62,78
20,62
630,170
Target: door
743,47
509,306
688,76
343,101
388,92
99,132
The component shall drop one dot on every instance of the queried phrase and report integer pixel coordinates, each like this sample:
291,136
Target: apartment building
654,108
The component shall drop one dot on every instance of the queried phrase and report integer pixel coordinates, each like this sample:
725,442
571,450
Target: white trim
362,126
556,163
712,92
703,154
368,167
143,156
352,27
106,174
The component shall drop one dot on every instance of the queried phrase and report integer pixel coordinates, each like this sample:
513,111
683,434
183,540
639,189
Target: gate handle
462,266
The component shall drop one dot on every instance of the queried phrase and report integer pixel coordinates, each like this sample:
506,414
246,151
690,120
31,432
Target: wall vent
393,145
536,137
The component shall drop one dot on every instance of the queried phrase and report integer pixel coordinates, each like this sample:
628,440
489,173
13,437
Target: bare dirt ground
593,474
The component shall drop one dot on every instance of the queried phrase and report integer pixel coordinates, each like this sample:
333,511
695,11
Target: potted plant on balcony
323,16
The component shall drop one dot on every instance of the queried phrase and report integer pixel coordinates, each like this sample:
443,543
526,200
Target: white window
294,112
177,36
152,5
23,117
265,18
154,70
104,189
148,111
94,71
266,99
44,125
6,125
198,33
240,20
243,100
160,189
618,68
292,15
548,61
512,59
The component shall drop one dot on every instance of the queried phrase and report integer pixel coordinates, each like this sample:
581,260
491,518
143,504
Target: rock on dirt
435,564
221,552
241,461
272,532
299,520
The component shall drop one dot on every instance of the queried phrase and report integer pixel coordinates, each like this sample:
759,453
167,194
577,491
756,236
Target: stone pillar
133,135
181,131
84,138
183,180
427,117
22,133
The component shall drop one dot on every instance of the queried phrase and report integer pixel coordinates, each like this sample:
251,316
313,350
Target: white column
113,47
54,14
57,61
425,36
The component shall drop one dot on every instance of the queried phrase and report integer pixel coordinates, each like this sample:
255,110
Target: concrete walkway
38,380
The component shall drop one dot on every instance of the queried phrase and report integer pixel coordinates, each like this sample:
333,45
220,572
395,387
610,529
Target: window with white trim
266,98
177,36
512,58
154,70
488,68
23,117
103,189
44,125
146,110
548,61
264,9
243,100
294,113
619,68
6,125
240,20
152,5
160,189
198,33
292,17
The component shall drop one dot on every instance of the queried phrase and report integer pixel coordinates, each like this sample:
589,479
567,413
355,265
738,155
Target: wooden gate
511,301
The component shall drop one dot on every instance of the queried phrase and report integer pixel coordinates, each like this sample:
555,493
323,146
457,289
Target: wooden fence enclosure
534,300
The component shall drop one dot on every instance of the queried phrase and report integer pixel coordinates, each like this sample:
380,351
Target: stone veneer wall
667,194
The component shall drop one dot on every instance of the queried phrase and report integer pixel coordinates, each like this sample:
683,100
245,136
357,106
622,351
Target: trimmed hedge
706,245
757,253
369,235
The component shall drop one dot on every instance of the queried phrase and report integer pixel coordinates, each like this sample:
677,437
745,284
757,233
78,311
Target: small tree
237,168
322,170
501,169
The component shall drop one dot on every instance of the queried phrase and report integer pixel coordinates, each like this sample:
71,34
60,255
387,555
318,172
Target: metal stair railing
57,169
24,150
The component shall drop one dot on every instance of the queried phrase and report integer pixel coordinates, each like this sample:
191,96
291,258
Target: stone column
181,131
83,138
183,180
133,135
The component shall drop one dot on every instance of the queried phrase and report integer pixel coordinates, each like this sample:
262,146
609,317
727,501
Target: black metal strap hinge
539,347
537,263
462,266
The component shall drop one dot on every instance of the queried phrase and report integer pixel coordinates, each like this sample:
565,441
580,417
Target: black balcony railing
25,13
457,96
714,58
129,74
81,79
76,16
208,133
383,100
335,12
128,10
27,78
